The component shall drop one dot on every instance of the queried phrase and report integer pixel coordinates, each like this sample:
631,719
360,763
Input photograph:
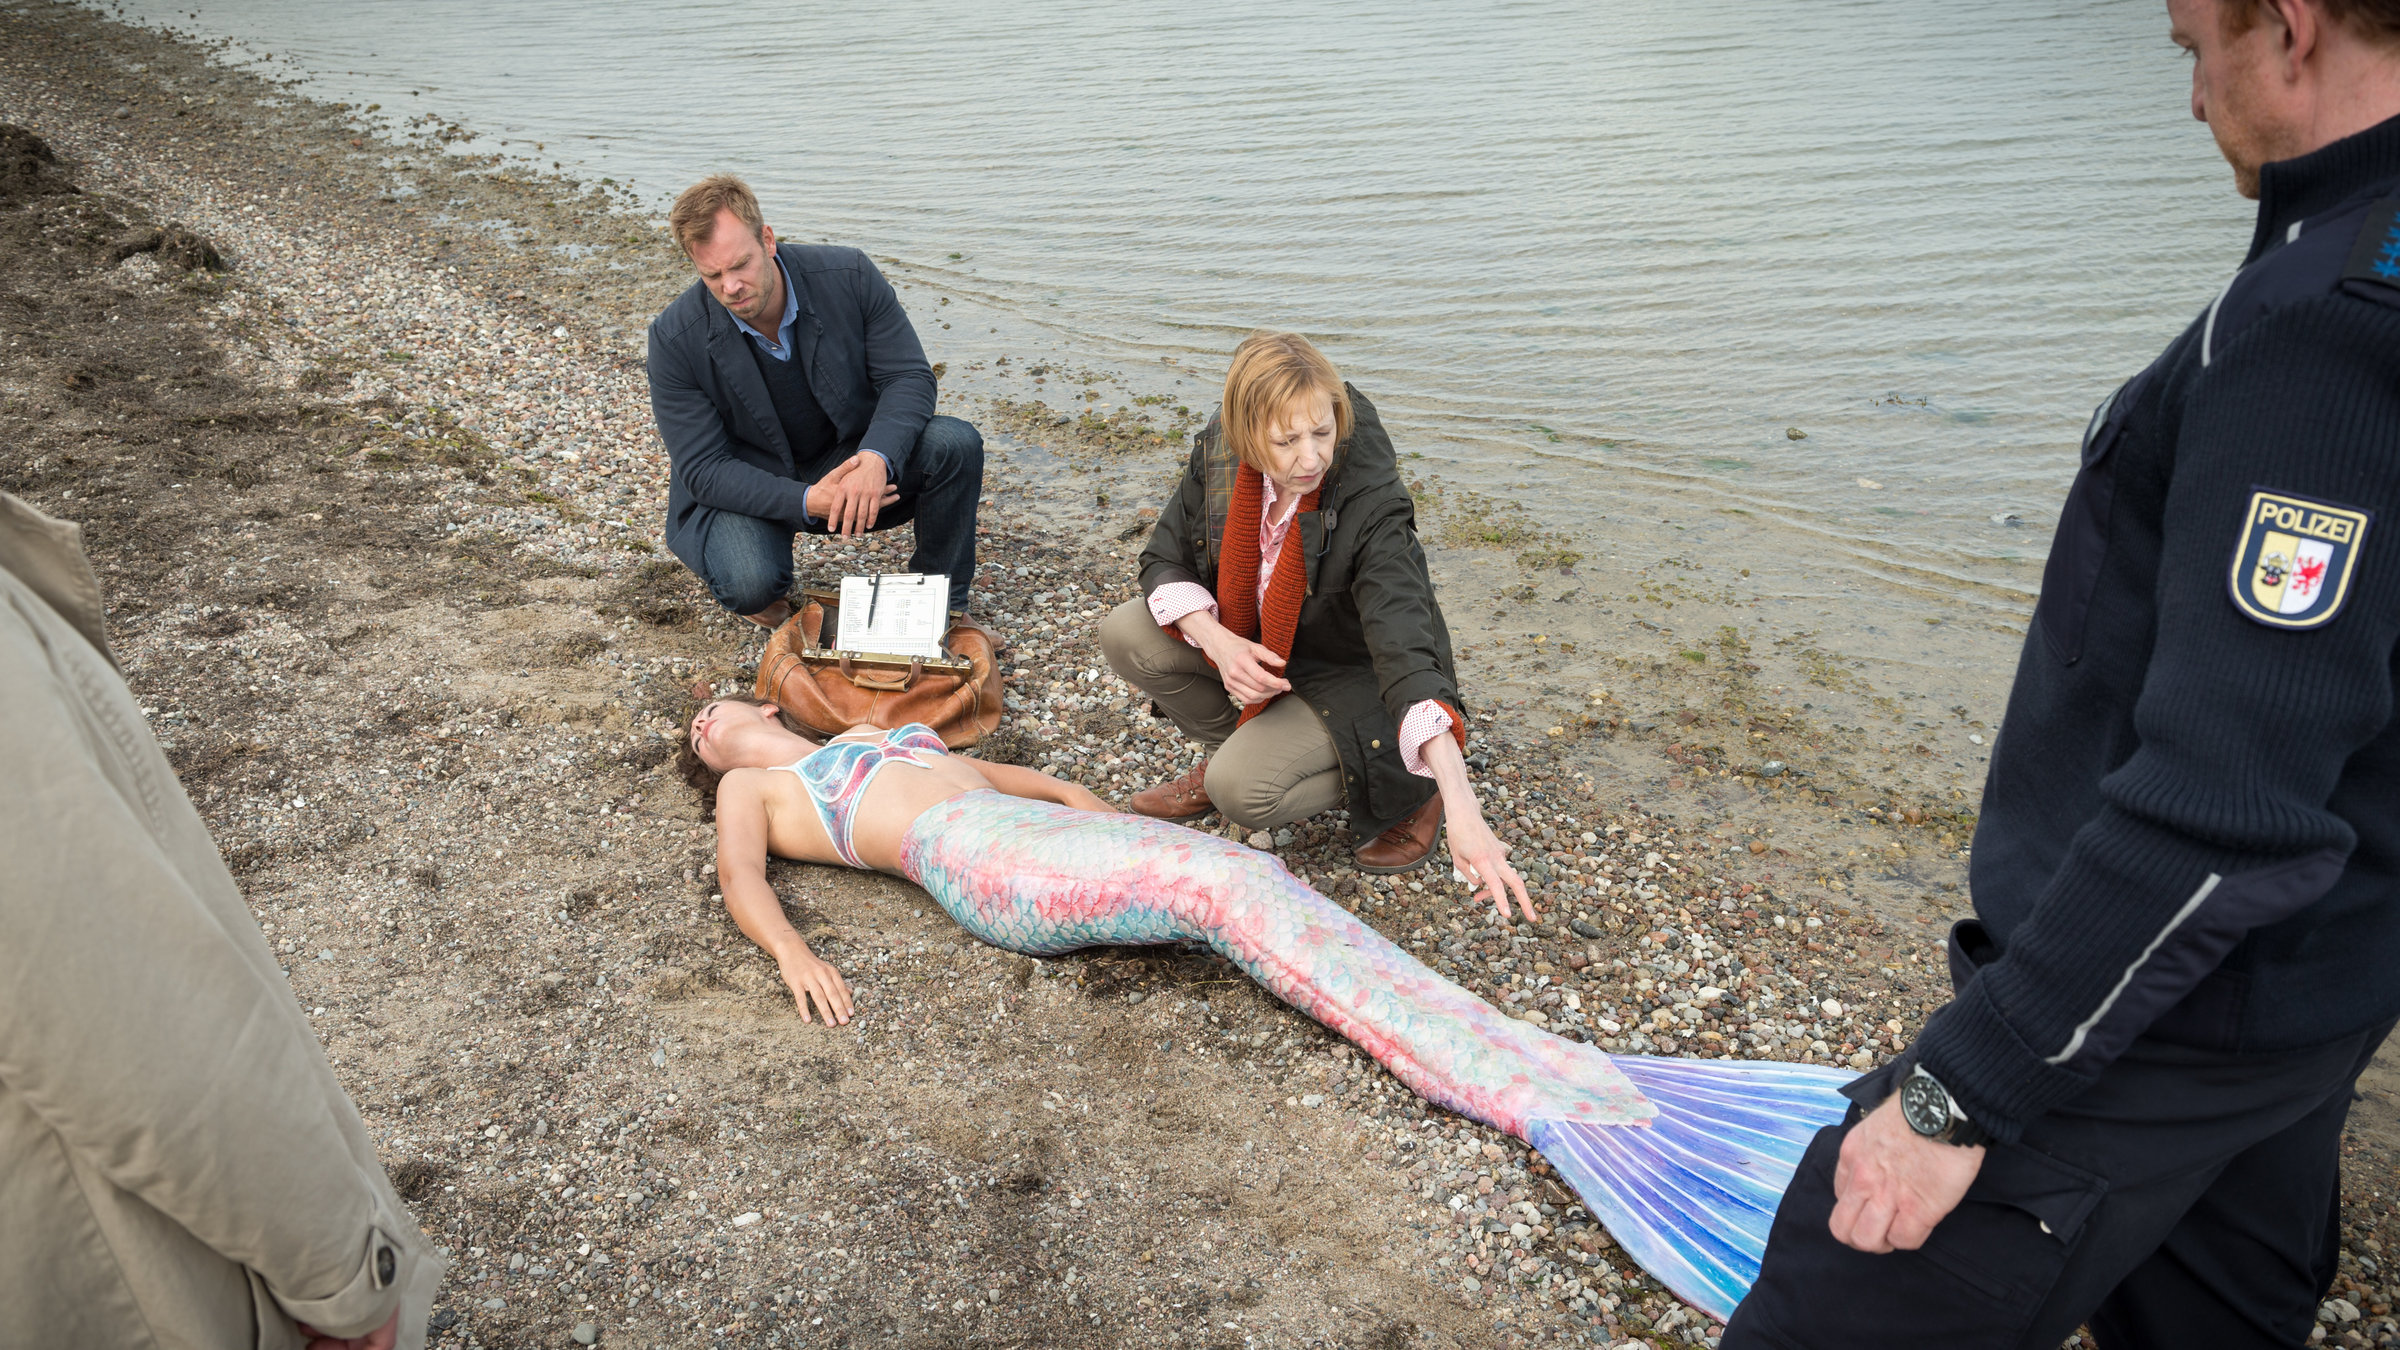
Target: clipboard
895,613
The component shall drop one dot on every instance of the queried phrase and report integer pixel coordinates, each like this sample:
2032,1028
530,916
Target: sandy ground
377,512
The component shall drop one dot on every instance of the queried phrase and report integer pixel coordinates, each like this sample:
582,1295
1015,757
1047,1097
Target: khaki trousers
1280,767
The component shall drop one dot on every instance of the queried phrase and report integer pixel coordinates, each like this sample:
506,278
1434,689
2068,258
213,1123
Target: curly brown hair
695,771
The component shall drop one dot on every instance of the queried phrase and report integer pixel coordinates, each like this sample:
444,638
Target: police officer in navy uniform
2187,876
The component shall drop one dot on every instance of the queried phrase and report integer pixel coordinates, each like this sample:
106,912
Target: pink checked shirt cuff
1425,721
1177,599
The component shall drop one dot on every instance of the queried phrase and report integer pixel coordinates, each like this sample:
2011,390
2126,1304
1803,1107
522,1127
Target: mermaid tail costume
1684,1161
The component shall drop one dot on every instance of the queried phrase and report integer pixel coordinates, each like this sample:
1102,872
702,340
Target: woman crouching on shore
1289,625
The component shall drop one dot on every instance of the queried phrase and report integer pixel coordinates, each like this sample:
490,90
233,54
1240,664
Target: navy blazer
725,447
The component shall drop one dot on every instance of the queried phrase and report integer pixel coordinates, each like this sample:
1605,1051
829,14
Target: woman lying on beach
1032,864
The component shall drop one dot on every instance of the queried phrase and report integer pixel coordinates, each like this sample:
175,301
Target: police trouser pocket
1978,1283
2009,1239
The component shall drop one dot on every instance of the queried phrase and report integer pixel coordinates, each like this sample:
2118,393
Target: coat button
1375,745
386,1266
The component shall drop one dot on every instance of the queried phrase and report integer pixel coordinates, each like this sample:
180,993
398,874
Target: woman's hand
1082,798
1483,859
1242,665
1477,852
809,977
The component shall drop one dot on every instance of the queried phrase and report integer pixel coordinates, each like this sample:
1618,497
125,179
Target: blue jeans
747,562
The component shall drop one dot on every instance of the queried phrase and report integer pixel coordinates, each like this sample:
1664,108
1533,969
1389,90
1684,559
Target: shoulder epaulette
2354,250
2374,270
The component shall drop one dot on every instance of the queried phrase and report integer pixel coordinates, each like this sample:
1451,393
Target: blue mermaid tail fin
1690,1196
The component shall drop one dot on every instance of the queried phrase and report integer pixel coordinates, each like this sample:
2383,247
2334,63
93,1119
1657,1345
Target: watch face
1924,1105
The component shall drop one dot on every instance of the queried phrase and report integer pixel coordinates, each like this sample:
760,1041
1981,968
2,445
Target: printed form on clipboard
899,613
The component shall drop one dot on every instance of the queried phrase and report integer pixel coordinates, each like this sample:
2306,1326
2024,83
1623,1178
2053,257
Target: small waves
1584,250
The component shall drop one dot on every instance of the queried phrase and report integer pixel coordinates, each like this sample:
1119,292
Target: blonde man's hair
1270,373
694,217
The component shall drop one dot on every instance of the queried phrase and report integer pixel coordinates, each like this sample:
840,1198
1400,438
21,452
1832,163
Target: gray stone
586,1333
1584,928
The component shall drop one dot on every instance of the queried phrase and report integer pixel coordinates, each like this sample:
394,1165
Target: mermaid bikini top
836,774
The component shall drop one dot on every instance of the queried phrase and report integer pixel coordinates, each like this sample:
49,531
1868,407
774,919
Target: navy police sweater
2191,830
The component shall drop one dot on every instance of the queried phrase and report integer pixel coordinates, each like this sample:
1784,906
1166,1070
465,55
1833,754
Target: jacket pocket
2081,544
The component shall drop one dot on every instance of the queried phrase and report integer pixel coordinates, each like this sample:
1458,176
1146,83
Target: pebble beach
377,504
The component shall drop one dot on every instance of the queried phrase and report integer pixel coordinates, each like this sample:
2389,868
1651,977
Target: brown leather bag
830,692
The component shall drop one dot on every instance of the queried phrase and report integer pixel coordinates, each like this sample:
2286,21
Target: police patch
2293,566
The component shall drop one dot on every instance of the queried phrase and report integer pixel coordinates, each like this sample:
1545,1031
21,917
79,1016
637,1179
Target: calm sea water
1595,255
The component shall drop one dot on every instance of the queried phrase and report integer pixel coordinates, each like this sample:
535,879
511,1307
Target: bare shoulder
744,786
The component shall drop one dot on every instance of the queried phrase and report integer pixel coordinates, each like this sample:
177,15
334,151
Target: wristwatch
1926,1105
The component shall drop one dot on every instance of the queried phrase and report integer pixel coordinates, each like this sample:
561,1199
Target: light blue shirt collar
779,346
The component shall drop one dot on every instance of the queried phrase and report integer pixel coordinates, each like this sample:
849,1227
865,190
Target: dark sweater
806,428
2191,830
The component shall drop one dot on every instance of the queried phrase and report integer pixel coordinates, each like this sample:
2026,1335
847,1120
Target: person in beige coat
178,1165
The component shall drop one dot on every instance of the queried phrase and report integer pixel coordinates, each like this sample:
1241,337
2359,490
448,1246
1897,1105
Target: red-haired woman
1288,623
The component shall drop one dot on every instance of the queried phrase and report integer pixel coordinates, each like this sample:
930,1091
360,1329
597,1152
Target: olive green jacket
178,1165
1371,641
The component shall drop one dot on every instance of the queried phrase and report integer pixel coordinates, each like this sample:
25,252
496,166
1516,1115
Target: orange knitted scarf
1238,606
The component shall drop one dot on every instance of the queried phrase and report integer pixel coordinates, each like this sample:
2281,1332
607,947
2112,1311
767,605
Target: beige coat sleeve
143,1018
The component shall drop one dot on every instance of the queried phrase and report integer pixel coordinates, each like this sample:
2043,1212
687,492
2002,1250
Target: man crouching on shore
794,398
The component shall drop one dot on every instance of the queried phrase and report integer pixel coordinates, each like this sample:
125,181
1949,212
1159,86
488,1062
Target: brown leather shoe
773,616
1182,799
1405,846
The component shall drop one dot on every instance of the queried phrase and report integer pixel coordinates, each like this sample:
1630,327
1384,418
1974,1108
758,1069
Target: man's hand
808,977
381,1338
1893,1185
849,498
